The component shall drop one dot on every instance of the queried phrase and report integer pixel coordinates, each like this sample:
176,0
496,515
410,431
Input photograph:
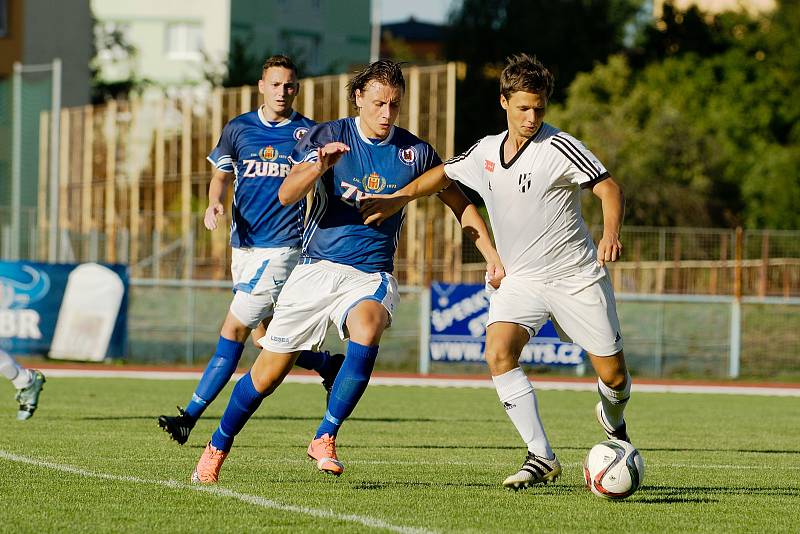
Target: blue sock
218,372
313,361
245,400
350,384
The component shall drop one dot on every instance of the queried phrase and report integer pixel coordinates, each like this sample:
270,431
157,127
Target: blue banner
458,330
32,304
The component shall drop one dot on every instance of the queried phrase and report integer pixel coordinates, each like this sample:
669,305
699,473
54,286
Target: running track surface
457,381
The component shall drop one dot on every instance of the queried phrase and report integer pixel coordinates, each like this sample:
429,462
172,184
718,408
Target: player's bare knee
501,359
616,380
367,324
265,384
615,377
367,334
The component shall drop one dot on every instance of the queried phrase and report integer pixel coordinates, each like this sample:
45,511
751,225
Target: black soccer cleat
334,364
620,433
534,470
178,427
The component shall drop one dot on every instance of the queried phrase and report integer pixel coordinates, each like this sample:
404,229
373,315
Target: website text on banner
458,330
67,311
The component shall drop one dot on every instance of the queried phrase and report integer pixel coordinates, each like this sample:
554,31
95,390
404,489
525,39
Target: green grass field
418,459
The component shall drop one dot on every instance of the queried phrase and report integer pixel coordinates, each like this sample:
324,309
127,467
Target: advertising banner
67,311
458,330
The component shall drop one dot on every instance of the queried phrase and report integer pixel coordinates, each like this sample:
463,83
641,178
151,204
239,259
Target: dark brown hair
279,61
525,73
384,71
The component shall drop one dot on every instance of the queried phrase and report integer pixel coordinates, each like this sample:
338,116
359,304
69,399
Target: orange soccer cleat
323,450
207,470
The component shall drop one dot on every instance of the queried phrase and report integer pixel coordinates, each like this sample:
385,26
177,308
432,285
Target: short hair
525,73
384,71
279,60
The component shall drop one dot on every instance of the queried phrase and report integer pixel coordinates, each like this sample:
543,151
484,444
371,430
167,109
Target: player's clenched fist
212,212
328,155
495,272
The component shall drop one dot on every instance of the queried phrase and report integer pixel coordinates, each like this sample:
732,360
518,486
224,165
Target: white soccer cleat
534,470
28,397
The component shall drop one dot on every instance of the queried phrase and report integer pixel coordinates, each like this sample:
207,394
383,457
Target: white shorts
259,275
321,293
586,314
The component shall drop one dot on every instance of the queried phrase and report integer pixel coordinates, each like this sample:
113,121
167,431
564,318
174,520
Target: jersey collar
266,123
535,137
366,139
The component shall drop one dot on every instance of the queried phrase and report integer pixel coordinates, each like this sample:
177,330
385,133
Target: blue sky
426,10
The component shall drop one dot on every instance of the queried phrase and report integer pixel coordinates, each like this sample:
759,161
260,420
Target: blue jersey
336,231
257,152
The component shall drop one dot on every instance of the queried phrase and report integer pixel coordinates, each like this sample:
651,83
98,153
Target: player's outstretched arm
378,208
216,196
613,201
303,176
475,227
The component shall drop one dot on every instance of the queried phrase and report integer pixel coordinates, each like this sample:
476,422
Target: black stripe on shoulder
565,149
595,181
577,151
463,155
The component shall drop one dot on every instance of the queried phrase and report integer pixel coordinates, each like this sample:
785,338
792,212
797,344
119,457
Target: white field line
482,383
367,521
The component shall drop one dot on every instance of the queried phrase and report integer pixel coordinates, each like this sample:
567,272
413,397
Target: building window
3,18
184,40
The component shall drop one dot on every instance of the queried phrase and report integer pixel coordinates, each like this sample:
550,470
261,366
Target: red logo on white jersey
488,165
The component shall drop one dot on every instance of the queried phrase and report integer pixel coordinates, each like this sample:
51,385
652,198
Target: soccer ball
613,469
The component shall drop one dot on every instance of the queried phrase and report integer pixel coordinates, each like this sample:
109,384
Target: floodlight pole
375,33
55,137
16,161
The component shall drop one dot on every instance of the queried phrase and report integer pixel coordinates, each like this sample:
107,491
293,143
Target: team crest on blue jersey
300,132
374,183
268,153
408,155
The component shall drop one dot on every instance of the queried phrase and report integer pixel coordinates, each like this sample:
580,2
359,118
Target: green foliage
242,67
110,41
569,36
702,134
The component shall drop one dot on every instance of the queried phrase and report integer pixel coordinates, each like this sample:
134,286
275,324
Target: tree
701,139
113,51
569,36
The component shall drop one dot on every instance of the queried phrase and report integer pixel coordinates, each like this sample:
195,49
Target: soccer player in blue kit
265,234
344,276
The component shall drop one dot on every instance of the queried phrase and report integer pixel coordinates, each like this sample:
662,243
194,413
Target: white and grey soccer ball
613,469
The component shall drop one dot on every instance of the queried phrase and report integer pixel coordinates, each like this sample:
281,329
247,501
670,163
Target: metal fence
678,261
688,336
178,321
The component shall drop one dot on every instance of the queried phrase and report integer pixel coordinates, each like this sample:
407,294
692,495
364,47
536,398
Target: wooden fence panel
134,178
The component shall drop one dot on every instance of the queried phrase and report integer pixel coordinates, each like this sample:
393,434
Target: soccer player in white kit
530,177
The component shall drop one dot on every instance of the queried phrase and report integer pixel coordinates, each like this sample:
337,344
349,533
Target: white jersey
534,201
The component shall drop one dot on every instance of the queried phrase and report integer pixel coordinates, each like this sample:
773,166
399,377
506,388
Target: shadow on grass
284,418
693,494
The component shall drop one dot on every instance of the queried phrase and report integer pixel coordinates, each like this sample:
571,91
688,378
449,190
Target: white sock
518,398
614,401
10,369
